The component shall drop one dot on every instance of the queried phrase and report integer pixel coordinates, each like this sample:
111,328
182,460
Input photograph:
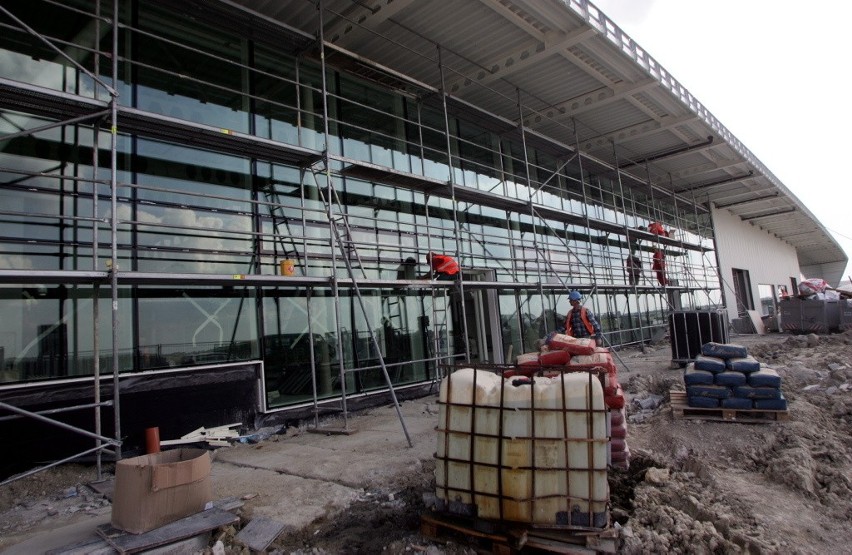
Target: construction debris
220,436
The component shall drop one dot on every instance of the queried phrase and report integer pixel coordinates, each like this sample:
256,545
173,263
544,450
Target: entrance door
742,290
481,307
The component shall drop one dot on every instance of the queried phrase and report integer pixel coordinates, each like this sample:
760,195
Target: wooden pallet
680,409
518,539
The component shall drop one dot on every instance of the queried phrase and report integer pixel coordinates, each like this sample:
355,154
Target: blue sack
744,364
711,364
702,402
767,377
749,392
723,350
730,378
737,403
714,391
692,376
771,404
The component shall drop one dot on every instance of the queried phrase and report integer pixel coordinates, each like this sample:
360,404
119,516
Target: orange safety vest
569,329
444,264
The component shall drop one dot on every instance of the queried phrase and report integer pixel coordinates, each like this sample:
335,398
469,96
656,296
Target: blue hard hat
574,296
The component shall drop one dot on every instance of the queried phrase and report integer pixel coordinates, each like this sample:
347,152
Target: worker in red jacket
657,229
443,267
659,266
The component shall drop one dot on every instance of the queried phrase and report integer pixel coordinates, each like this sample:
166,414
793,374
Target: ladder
343,239
440,332
280,227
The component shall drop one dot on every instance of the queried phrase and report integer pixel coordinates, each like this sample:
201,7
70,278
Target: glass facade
530,225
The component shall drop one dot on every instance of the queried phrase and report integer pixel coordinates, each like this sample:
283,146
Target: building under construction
219,211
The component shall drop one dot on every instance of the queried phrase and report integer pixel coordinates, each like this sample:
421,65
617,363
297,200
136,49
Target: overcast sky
775,73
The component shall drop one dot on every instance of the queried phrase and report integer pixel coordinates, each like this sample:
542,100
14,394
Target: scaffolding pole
331,200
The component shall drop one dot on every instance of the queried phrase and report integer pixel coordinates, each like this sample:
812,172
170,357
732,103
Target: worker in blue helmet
581,322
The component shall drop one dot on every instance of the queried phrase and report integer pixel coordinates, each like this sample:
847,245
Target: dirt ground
693,486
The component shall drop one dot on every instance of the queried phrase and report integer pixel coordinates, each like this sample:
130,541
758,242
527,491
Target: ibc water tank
524,452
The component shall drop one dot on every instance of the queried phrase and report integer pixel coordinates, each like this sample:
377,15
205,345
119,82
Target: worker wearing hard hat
581,322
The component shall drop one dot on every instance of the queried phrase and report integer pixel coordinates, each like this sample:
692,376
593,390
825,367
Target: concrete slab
311,475
77,532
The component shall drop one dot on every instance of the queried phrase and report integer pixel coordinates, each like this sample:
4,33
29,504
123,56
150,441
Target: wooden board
260,532
509,542
757,322
99,546
205,521
680,409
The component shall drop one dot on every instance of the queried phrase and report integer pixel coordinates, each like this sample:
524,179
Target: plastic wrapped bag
812,286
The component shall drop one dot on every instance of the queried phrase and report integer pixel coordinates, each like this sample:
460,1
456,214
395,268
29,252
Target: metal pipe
662,155
714,183
61,410
114,232
59,424
455,207
51,465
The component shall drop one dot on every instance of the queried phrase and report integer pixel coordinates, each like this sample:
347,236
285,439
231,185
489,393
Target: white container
533,453
462,391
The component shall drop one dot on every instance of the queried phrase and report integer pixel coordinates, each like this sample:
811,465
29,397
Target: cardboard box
154,490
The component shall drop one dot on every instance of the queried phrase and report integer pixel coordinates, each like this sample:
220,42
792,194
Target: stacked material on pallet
725,376
619,451
560,351
556,350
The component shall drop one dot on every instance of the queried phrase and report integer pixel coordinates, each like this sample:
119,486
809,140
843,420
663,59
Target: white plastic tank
525,452
463,393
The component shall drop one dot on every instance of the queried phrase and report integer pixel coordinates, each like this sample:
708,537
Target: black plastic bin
690,329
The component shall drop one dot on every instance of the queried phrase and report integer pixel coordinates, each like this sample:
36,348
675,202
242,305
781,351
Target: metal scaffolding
328,169
103,444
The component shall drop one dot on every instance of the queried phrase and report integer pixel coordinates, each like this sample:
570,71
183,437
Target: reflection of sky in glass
44,73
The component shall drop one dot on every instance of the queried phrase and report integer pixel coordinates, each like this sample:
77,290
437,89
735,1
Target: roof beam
707,168
748,201
670,154
594,100
789,235
505,64
768,214
714,183
638,131
359,21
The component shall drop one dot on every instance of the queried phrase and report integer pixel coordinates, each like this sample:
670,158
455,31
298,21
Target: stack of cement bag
619,452
725,376
560,351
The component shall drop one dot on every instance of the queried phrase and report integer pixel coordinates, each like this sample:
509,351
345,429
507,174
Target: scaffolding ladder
342,239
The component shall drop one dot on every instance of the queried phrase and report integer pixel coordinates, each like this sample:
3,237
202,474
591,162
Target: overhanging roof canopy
574,71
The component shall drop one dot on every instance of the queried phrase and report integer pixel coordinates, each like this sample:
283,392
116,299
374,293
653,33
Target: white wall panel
746,247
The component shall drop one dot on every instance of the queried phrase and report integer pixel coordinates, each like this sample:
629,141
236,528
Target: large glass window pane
287,345
71,28
47,332
189,71
188,327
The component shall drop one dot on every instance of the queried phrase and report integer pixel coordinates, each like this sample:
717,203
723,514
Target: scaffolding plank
193,525
260,532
